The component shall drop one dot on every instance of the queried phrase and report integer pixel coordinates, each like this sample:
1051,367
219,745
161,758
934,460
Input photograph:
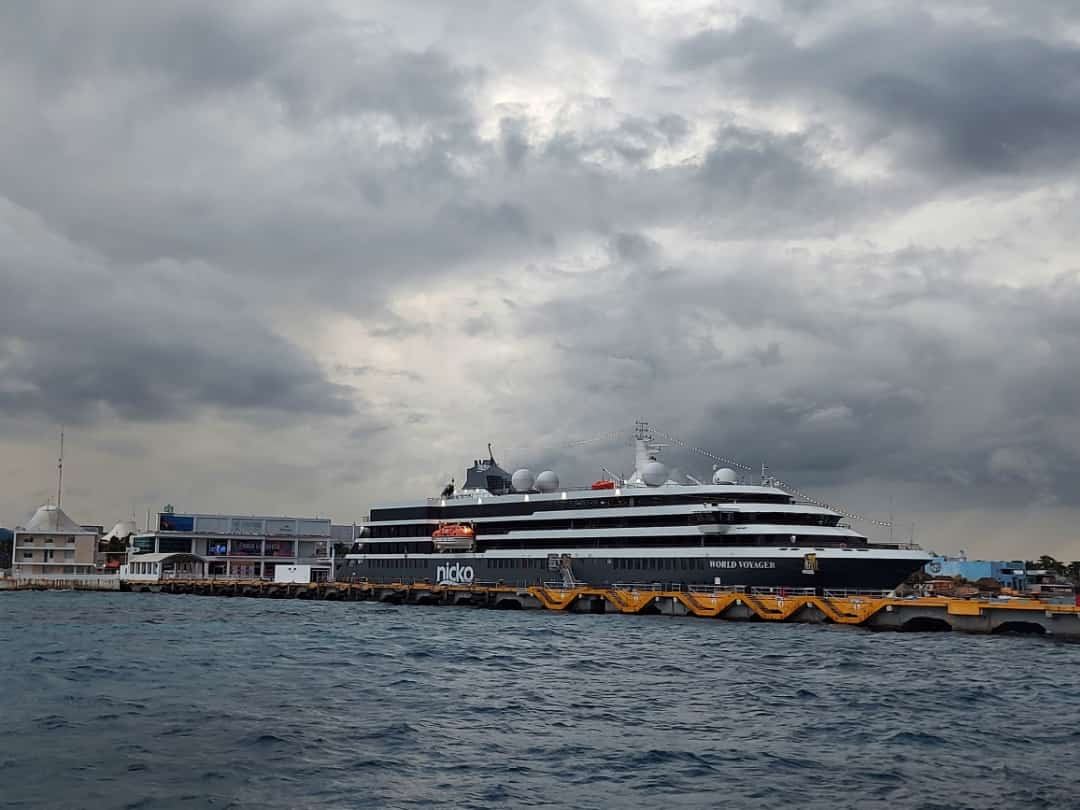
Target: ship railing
780,591
560,585
717,589
847,593
647,586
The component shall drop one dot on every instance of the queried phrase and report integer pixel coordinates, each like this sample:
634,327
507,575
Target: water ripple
124,700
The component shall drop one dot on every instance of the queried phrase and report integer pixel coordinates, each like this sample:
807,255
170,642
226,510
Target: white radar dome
725,475
547,481
522,480
654,474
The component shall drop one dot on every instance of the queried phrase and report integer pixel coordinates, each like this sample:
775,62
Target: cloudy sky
306,257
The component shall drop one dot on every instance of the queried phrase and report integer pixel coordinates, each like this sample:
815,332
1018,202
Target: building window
69,554
28,555
174,545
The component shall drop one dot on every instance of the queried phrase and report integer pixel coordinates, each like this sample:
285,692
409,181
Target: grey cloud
515,141
477,325
764,181
372,371
316,63
633,247
867,388
77,342
973,99
703,232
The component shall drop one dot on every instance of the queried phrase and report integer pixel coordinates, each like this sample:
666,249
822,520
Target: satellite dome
547,481
522,481
654,474
725,475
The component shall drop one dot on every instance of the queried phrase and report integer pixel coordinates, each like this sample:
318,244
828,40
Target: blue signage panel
176,523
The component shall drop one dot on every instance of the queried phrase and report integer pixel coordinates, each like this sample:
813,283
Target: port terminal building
196,546
1011,574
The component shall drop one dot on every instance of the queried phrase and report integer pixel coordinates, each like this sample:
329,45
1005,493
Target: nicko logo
456,574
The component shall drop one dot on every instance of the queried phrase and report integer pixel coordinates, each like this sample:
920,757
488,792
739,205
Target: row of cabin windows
676,541
663,564
620,522
628,564
426,562
468,510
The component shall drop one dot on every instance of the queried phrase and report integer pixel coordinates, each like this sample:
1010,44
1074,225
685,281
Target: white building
53,545
230,546
158,567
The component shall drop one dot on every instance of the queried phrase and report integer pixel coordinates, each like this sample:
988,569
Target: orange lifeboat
454,537
453,530
603,484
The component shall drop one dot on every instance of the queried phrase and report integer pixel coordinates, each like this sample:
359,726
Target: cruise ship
525,529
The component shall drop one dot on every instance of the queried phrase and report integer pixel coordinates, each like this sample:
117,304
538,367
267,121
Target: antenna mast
60,472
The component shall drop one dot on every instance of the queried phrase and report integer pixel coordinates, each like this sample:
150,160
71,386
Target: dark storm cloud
764,182
708,232
139,122
967,97
156,171
959,383
316,65
77,341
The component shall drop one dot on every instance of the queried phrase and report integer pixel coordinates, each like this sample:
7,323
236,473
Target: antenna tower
60,471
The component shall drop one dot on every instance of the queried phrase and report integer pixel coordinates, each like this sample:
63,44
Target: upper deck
470,504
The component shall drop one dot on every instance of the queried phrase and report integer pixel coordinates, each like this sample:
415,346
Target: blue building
1011,574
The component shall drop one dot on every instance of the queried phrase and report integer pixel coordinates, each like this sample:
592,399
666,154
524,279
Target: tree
1072,571
1054,566
117,545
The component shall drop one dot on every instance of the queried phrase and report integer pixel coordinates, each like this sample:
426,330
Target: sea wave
125,700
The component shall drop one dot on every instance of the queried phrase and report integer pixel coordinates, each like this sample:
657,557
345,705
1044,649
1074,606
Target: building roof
50,519
122,530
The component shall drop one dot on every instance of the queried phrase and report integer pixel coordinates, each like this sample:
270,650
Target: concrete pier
875,612
62,583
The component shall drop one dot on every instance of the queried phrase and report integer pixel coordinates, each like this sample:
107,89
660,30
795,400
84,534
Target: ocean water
154,701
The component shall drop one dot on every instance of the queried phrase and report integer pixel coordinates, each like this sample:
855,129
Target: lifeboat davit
603,484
